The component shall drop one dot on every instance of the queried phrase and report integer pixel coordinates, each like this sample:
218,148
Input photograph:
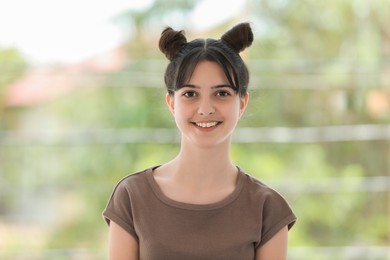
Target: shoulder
269,198
256,187
133,182
275,210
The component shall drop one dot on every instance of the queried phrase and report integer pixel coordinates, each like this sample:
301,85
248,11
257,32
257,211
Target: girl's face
206,108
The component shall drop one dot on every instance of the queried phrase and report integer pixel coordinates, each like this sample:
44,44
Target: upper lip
205,121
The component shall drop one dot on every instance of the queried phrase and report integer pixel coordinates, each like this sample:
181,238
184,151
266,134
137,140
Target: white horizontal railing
340,133
332,184
339,252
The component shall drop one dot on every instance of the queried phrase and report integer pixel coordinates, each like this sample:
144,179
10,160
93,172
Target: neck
203,164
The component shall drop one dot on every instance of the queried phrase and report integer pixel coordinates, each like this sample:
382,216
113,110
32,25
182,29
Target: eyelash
224,93
191,94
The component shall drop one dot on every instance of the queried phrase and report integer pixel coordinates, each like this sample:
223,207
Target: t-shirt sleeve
276,215
119,209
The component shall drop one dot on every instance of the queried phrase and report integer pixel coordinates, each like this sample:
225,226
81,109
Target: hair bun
239,37
171,42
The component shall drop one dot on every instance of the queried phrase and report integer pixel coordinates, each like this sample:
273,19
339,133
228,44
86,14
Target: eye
189,94
223,93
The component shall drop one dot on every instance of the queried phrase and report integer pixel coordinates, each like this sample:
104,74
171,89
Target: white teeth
206,125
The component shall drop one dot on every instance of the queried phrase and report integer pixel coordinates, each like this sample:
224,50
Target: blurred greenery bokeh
317,128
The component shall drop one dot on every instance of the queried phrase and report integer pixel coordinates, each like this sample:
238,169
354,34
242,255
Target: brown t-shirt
166,229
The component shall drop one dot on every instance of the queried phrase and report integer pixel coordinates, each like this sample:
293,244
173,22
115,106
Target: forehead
208,72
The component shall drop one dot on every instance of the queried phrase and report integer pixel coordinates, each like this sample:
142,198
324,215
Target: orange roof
43,84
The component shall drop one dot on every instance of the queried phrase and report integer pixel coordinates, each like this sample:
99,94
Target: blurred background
82,105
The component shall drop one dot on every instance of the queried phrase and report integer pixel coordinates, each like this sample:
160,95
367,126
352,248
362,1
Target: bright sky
48,31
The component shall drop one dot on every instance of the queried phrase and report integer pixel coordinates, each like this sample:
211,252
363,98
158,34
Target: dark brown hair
184,56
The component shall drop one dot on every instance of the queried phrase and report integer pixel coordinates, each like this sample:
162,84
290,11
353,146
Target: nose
206,107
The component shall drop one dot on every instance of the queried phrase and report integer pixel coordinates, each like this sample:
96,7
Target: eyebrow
213,87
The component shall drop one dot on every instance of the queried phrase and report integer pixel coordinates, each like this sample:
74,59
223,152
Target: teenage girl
200,205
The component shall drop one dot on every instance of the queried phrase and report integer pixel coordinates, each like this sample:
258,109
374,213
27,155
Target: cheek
181,112
235,110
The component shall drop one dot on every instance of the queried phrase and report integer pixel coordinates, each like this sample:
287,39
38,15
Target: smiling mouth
207,124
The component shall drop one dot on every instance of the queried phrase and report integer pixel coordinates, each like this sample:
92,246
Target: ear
243,103
170,102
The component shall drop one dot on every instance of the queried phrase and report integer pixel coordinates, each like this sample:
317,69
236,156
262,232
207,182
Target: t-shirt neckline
188,206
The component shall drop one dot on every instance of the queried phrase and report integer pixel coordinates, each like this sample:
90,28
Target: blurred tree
337,55
12,66
352,29
143,24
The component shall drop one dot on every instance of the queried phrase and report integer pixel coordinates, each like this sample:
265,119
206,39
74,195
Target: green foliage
291,30
12,65
324,207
